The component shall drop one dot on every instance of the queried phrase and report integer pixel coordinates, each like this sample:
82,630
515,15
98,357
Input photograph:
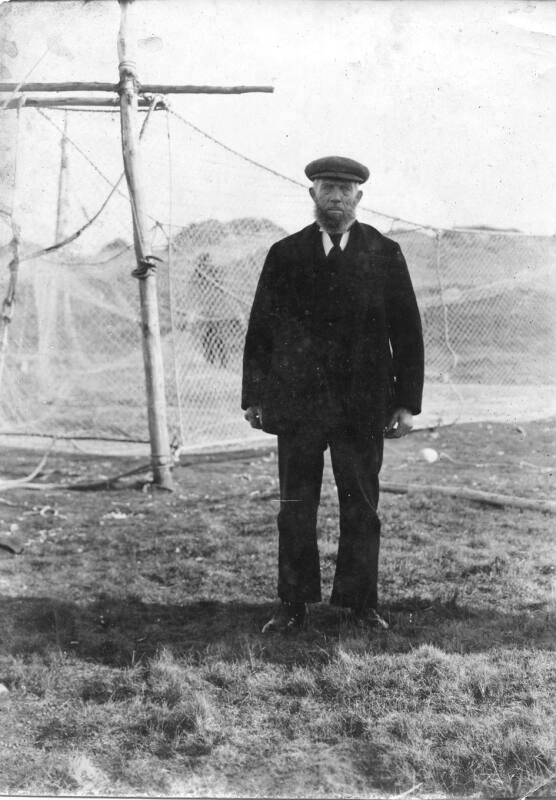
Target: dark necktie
336,239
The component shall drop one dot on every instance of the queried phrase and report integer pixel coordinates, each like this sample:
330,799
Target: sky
449,104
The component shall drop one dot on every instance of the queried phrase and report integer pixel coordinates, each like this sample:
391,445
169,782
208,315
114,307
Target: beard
335,223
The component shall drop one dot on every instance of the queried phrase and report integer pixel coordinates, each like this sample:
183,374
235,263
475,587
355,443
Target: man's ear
312,193
358,196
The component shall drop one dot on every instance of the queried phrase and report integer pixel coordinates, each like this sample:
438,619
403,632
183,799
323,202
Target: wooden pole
80,101
62,184
148,88
462,492
152,347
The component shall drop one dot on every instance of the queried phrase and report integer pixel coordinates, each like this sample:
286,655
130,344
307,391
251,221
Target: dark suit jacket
383,363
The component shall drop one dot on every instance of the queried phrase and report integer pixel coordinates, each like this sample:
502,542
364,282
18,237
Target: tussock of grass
189,727
300,682
35,676
169,682
104,686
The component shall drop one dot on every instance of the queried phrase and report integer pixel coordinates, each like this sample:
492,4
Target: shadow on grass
120,632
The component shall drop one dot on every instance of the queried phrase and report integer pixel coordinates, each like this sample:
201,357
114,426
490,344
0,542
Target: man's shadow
122,632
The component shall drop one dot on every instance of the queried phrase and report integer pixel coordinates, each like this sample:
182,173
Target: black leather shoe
287,617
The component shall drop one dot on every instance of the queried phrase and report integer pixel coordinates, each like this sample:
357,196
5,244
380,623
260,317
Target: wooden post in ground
145,272
62,184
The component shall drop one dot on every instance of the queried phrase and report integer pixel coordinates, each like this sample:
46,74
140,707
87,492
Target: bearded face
335,203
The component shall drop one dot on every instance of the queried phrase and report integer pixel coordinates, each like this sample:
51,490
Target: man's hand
400,424
254,416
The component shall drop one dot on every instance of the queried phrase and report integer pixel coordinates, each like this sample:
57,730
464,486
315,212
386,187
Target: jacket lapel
370,239
301,264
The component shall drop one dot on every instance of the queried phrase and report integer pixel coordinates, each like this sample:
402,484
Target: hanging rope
394,219
81,152
97,262
280,174
75,235
115,188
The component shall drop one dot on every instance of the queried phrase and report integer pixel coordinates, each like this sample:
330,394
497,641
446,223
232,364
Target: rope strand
393,218
114,188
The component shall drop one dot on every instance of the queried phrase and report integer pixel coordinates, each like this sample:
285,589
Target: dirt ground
64,530
108,578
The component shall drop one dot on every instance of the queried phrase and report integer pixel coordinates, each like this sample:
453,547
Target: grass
130,635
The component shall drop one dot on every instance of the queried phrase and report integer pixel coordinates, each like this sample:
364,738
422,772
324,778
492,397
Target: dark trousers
356,463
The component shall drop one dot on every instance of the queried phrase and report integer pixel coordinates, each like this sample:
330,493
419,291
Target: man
333,358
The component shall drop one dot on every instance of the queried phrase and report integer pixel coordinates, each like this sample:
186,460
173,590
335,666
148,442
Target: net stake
150,327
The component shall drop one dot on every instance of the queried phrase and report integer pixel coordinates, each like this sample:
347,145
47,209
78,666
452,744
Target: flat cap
338,168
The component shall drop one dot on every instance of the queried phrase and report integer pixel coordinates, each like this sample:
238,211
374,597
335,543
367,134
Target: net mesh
73,364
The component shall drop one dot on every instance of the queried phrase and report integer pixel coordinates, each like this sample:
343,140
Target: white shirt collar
327,241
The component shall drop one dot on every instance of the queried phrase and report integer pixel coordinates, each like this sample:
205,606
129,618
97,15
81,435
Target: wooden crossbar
85,102
148,88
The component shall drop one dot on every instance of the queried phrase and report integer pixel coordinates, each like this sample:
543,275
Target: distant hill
487,228
212,232
217,265
486,257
